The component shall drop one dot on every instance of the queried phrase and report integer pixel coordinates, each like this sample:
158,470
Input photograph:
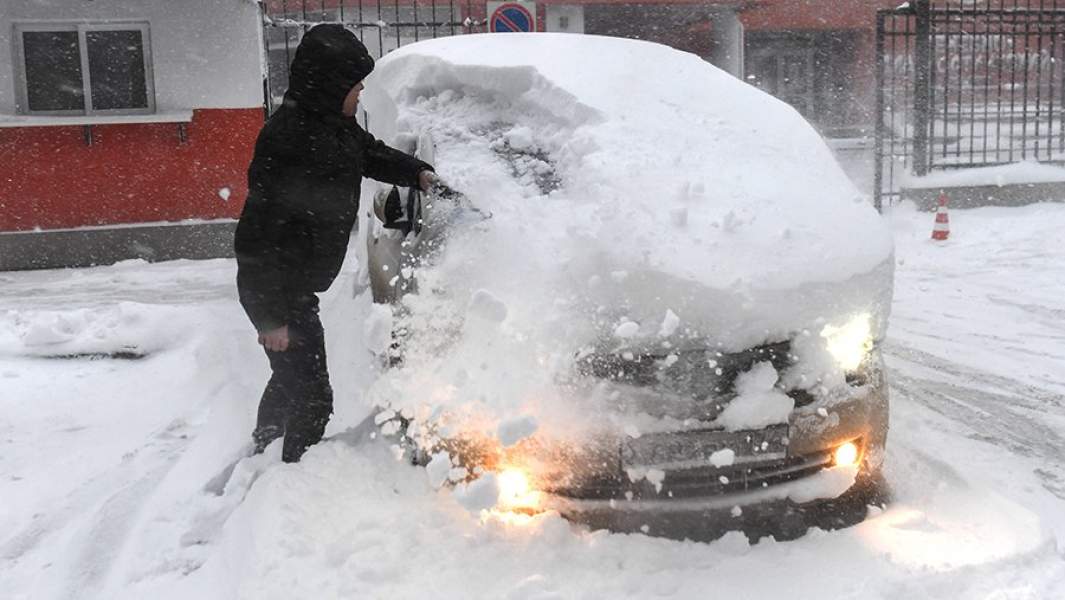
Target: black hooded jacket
303,182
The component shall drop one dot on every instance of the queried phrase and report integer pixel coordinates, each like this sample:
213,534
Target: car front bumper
755,513
779,497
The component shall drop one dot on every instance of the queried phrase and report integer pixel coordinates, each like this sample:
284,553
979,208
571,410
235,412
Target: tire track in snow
101,531
112,523
996,410
1027,395
1052,316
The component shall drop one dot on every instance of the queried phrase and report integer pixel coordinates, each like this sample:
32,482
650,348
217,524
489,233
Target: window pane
116,69
53,70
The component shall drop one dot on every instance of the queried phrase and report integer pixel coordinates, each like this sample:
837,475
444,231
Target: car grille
706,378
699,482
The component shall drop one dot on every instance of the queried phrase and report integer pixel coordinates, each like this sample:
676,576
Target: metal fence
382,25
967,83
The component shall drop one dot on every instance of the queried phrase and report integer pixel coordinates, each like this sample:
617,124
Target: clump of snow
439,469
759,402
479,494
390,428
627,330
827,483
486,306
377,328
670,323
458,474
512,431
520,138
655,477
815,366
383,416
723,458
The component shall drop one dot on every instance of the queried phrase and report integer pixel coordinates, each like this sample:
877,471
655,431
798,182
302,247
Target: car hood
666,311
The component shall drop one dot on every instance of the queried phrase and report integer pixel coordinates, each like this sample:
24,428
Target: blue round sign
511,18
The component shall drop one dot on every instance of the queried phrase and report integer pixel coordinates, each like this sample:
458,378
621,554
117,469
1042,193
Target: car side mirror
395,213
388,206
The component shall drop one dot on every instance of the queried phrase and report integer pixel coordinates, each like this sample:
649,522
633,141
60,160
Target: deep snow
104,461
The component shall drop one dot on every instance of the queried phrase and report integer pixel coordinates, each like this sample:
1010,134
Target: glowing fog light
846,455
850,343
515,491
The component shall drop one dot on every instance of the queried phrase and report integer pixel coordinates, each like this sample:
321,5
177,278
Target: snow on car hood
640,198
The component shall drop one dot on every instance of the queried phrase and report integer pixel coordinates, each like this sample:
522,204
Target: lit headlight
850,343
516,493
846,455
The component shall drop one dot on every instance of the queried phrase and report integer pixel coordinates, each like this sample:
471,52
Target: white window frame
22,95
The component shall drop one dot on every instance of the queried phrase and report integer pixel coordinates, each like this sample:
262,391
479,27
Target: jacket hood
329,61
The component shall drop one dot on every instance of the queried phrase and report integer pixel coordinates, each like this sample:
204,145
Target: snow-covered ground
103,461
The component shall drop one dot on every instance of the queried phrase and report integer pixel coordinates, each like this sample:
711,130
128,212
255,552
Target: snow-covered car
655,306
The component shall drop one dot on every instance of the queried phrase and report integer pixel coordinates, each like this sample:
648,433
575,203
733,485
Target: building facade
818,56
135,118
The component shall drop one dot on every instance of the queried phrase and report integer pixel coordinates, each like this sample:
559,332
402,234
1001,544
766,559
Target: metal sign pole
922,64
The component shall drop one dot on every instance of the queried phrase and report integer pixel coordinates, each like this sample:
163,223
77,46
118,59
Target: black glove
441,190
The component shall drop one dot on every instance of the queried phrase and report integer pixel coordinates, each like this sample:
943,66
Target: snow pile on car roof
684,161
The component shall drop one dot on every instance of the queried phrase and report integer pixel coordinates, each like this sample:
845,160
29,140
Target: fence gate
967,83
382,25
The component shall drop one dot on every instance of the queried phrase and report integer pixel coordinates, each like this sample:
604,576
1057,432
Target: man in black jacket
303,198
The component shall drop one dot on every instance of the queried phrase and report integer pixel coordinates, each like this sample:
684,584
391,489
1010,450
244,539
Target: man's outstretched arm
389,165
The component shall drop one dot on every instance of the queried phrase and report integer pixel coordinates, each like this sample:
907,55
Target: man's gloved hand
443,191
426,179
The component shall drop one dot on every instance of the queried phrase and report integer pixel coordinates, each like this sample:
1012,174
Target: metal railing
967,84
382,25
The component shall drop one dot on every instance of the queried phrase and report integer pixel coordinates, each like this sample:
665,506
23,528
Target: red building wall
131,173
817,15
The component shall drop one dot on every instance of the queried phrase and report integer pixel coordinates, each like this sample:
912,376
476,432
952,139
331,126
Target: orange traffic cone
941,230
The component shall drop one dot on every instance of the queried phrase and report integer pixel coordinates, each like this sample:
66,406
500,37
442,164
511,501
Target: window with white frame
84,68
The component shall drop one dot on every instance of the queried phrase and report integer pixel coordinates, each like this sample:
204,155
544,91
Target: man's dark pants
298,399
